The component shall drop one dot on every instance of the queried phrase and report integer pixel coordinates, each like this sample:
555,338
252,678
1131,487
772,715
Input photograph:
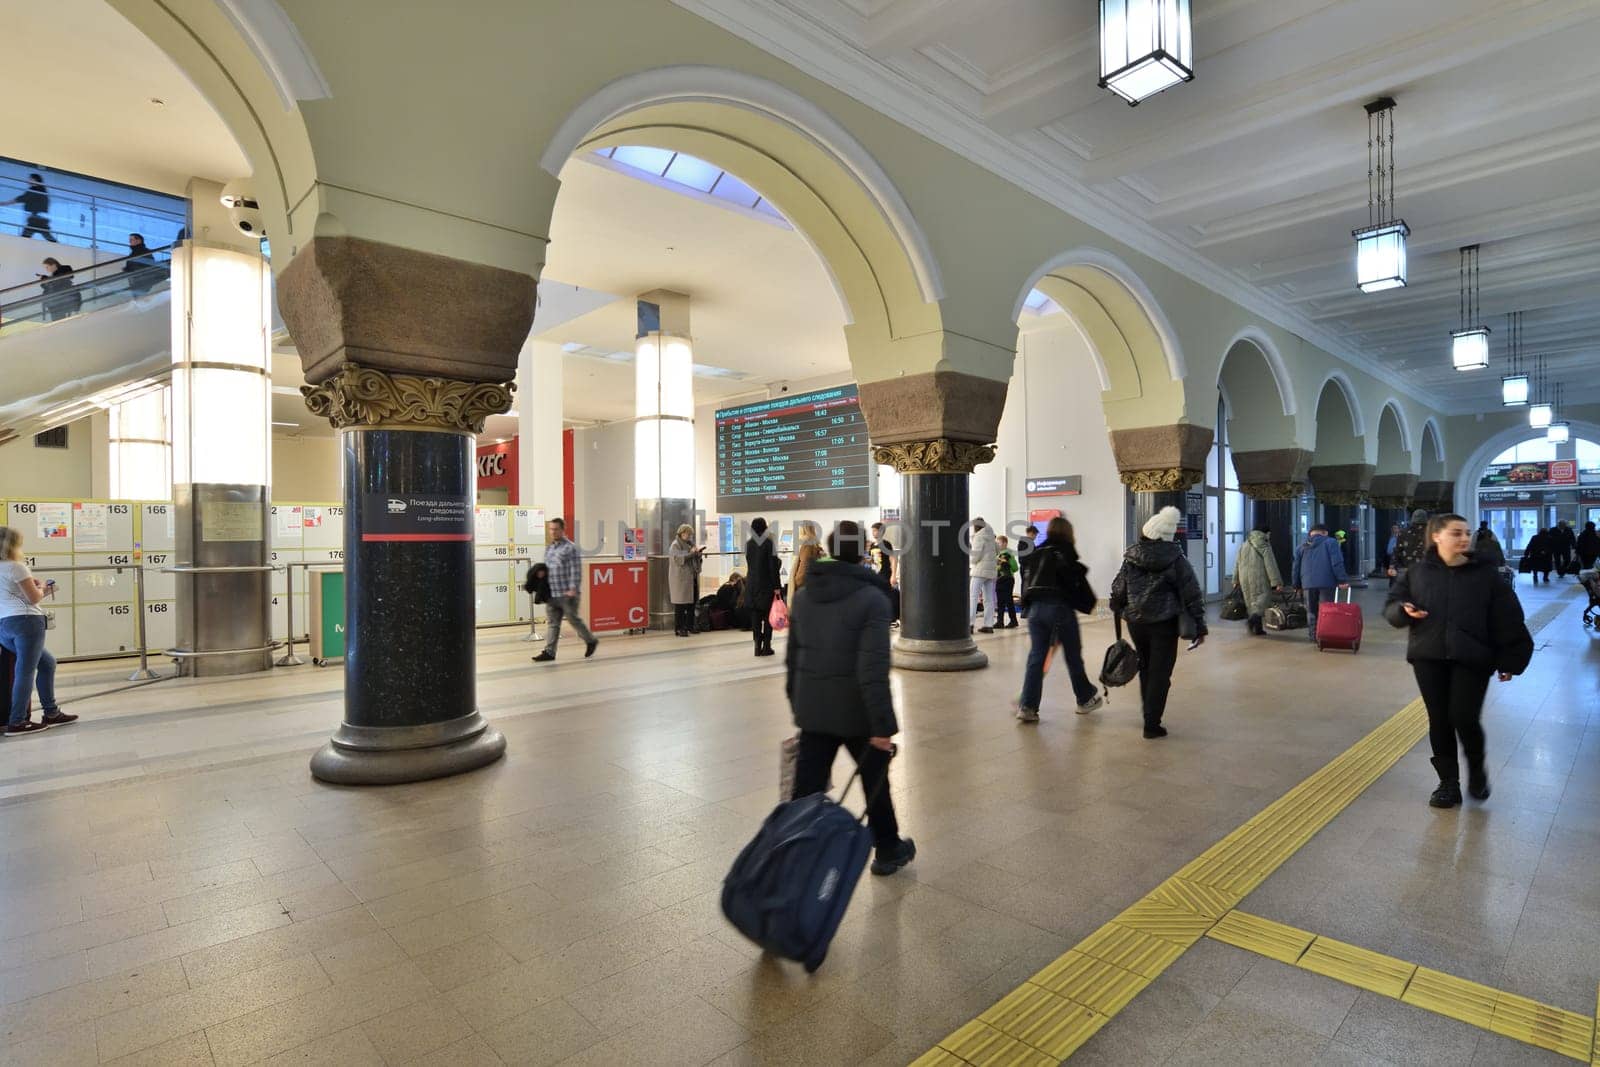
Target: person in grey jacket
1157,593
683,578
838,685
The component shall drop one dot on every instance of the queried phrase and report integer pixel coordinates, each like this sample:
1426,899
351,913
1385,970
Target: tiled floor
179,891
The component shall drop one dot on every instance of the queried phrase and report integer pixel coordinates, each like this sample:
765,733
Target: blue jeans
1053,622
23,636
1315,595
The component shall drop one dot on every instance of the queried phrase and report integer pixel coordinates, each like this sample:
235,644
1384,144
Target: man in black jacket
1411,545
761,583
838,685
1563,543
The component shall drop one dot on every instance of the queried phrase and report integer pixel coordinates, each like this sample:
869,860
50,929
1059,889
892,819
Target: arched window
1535,484
1226,513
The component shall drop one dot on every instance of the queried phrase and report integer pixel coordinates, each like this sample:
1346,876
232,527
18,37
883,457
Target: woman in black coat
1466,625
761,583
838,685
1157,592
1588,546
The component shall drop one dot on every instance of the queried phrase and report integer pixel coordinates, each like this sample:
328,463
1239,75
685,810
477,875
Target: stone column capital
1166,480
939,456
1272,490
1342,484
369,398
350,300
1161,459
922,409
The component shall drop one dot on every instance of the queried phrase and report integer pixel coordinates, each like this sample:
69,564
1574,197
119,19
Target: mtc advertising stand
327,616
618,595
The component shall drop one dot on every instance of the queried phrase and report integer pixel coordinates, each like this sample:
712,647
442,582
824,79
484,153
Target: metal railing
84,220
99,285
143,674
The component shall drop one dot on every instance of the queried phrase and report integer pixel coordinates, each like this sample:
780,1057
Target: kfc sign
497,468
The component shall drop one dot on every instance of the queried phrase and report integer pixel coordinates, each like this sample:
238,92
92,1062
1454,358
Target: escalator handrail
69,195
86,272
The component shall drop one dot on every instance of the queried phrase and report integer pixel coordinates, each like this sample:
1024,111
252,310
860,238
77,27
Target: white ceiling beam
1340,80
906,25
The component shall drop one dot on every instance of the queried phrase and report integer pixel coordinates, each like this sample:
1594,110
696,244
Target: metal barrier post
289,658
144,673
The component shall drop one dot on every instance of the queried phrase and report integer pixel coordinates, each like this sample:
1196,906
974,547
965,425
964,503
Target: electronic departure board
807,451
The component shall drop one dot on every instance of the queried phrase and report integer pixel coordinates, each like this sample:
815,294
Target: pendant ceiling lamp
1381,246
1540,412
1514,386
1146,47
1560,430
1469,345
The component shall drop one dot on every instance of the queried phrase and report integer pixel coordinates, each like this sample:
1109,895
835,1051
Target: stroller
1591,585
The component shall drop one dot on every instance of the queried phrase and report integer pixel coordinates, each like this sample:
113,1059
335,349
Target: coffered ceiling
1251,177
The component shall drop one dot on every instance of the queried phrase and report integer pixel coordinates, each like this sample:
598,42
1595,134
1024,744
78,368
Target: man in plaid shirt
566,577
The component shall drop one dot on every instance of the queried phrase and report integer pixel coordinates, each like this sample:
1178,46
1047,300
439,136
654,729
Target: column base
950,654
391,755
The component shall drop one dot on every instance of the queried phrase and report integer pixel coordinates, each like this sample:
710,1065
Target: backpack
788,889
1121,664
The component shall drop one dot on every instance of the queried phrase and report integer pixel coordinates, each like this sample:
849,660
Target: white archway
1112,266
1471,472
1358,419
1275,362
1437,436
706,84
1408,443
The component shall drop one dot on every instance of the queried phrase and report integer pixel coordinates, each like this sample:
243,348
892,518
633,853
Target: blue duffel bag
790,886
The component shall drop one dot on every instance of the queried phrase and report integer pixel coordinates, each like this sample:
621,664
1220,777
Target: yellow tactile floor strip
1286,944
1456,998
1359,967
1052,1014
1544,1025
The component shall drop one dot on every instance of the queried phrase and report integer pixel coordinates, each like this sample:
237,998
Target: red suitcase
1339,623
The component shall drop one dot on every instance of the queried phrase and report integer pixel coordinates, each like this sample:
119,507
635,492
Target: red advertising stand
618,595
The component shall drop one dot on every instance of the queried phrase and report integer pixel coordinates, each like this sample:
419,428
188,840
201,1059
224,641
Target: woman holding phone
22,630
1466,626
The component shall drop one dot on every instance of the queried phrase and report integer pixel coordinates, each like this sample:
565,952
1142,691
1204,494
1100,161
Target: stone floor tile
180,940
616,1002
82,1003
414,1031
1380,1026
457,964
1303,999
1338,1054
42,976
1239,1036
357,956
689,1032
71,1047
1497,1051
283,941
190,1050
107,902
157,1021
253,889
347,1048
546,1034
818,1037
75,937
290,1023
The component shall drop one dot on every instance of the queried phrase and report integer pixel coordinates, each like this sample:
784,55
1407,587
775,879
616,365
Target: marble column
935,627
1278,514
934,429
407,353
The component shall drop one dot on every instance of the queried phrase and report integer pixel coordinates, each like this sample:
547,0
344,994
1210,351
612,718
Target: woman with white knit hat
1156,593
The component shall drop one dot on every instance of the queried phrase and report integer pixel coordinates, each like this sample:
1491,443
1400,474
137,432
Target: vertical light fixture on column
1381,245
1469,345
1146,47
141,446
663,429
221,452
1514,386
1540,412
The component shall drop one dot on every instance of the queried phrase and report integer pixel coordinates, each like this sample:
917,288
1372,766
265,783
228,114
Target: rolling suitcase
1339,623
788,889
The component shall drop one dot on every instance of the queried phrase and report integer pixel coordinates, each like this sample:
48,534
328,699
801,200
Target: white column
139,444
540,482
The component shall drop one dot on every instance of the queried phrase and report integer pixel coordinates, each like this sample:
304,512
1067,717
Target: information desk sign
618,595
806,451
1055,485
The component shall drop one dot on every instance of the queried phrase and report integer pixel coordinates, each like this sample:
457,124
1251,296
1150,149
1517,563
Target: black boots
1478,782
1254,623
1448,795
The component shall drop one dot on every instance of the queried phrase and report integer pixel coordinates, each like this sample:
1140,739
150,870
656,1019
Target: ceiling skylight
676,170
1039,304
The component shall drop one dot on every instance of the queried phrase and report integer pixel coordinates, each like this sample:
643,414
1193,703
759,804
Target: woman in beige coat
683,578
1256,570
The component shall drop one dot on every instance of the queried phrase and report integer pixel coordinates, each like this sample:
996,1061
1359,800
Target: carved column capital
364,397
1273,490
1402,503
1342,497
939,456
1168,480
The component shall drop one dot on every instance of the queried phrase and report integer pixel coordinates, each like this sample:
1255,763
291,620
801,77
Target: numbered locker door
156,541
288,547
527,539
105,599
46,528
492,569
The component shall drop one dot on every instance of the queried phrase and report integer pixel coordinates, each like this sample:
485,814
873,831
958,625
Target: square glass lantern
1469,349
1514,390
1146,46
1540,415
1558,433
1381,256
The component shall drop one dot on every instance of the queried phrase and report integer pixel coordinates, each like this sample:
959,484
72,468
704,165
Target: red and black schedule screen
807,451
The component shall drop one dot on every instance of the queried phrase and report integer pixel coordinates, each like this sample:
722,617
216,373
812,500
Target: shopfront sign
1054,485
497,468
618,595
1554,472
